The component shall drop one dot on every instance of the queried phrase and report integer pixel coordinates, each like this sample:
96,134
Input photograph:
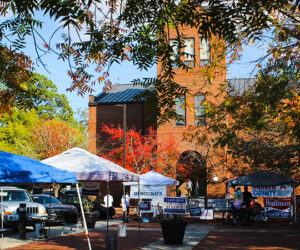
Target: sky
56,70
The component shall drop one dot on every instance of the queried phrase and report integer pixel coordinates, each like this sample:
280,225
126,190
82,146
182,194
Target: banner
273,191
278,207
90,188
174,205
156,193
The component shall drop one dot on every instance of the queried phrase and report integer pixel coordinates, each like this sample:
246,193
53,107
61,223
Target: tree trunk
56,188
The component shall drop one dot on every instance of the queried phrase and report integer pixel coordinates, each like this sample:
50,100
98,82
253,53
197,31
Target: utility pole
124,135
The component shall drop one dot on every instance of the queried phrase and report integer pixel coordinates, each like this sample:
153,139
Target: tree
143,153
49,104
42,124
138,31
15,132
15,71
52,137
260,127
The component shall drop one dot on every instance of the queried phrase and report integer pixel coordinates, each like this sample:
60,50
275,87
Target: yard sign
174,205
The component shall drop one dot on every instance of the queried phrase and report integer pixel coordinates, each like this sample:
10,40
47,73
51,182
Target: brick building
107,108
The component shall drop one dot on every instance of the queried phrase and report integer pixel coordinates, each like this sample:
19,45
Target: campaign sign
278,203
174,205
90,188
207,214
145,206
195,211
273,191
278,207
276,213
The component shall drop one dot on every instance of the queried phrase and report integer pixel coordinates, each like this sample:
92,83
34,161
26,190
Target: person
108,200
127,202
189,187
237,204
125,205
157,212
108,204
247,197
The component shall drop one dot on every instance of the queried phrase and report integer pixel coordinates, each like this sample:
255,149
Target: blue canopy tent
20,169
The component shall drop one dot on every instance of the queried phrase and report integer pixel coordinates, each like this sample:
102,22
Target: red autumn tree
143,152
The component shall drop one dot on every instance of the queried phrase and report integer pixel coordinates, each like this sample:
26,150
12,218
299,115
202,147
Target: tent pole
139,212
124,197
227,194
49,235
295,203
1,217
107,208
83,218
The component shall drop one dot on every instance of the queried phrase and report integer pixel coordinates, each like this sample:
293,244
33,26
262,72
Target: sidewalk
150,237
281,236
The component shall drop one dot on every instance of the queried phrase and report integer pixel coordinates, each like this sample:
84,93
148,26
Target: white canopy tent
152,186
90,167
154,178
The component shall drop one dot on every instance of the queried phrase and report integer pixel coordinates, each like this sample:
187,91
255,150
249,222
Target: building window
189,52
204,52
175,52
200,116
181,111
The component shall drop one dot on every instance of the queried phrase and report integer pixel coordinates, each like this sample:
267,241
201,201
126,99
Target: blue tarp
20,169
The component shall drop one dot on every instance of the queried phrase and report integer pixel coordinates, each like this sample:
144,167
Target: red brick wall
197,83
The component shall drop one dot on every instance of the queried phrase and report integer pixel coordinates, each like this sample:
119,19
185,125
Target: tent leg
107,208
83,218
139,213
2,240
295,203
124,213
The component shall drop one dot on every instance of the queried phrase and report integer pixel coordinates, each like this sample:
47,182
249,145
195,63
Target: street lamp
216,178
124,133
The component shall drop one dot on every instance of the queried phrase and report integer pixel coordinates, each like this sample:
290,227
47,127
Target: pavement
194,233
150,237
198,235
12,239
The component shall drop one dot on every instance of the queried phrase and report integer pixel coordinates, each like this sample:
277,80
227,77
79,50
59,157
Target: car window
38,199
15,195
45,199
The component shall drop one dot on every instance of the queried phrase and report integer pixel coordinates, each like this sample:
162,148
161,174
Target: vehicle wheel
227,217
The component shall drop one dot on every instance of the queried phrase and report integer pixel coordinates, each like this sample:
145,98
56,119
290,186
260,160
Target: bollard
111,242
22,221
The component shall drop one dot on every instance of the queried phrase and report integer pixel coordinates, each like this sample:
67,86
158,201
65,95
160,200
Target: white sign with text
156,193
